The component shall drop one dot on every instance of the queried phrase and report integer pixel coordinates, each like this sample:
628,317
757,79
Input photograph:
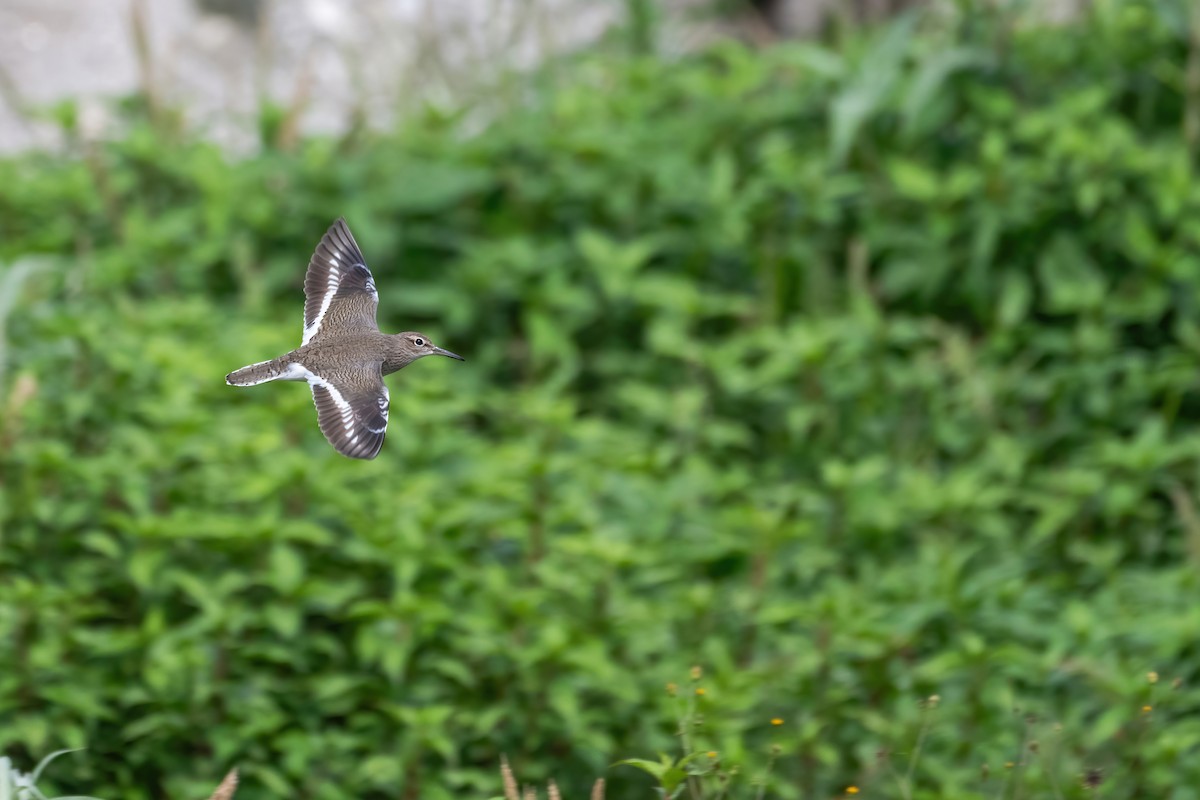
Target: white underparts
296,372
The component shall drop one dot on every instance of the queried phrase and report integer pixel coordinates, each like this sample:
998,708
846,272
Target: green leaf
656,768
865,94
287,568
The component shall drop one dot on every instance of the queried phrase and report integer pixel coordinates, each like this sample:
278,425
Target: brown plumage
343,356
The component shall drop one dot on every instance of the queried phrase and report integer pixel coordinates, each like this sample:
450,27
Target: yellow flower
1008,765
776,721
712,754
700,691
1152,677
697,673
851,790
1147,709
671,689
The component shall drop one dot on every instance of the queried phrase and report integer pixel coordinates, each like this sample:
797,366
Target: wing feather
339,290
352,409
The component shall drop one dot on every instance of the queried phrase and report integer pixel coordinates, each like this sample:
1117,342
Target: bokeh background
823,359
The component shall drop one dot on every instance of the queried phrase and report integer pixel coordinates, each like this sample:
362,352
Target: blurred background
377,60
829,409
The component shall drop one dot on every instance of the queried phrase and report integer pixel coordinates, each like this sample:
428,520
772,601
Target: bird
343,356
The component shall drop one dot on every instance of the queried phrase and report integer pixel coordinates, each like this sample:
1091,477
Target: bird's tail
255,374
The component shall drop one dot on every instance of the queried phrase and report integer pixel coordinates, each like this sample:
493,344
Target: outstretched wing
339,290
352,409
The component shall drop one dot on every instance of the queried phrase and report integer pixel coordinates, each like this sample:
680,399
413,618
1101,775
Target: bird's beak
439,351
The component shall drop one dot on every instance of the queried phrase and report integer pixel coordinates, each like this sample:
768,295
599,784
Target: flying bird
343,355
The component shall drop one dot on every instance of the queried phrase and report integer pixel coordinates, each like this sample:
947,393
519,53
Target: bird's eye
419,342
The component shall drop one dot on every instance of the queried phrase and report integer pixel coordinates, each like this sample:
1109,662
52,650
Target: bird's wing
352,408
339,291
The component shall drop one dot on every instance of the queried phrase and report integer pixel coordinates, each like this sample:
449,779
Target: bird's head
417,345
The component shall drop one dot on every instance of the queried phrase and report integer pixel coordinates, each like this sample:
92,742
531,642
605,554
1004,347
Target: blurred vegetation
855,373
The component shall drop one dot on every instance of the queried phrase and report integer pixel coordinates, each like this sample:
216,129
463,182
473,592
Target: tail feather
254,374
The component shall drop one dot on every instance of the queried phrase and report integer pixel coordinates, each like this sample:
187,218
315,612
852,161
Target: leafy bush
856,374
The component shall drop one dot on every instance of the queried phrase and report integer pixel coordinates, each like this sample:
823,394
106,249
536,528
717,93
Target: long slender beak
439,351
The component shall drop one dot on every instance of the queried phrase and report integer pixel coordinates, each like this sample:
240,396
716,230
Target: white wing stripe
345,411
334,278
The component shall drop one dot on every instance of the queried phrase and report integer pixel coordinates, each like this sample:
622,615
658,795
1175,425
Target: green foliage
856,375
699,773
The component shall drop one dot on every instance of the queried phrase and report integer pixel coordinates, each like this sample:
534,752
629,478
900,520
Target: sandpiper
343,355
